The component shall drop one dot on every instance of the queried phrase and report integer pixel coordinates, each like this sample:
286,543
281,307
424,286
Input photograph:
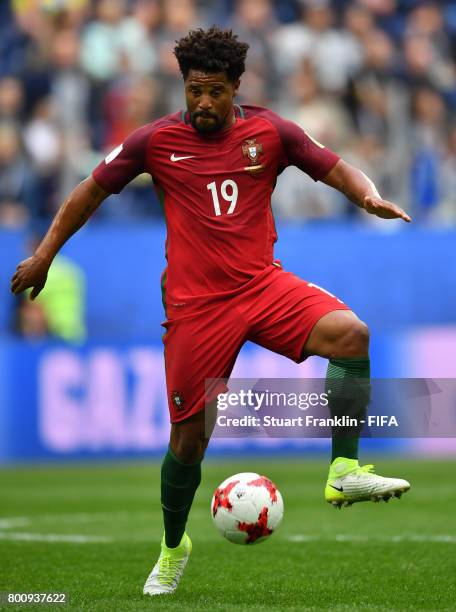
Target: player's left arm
322,164
358,188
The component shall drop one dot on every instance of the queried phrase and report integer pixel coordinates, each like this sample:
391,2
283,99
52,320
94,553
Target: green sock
348,388
179,482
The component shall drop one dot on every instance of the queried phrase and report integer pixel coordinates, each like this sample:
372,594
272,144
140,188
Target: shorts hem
183,417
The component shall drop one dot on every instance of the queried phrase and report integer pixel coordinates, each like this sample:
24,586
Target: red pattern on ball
221,497
258,529
262,481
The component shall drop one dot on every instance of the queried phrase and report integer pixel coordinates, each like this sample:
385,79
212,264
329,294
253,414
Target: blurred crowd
373,79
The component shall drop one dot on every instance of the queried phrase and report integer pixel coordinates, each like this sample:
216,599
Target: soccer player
214,166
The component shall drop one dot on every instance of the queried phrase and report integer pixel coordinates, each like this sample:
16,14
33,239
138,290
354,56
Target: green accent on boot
341,466
167,572
171,560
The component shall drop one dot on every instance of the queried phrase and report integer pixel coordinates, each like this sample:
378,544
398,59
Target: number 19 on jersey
230,196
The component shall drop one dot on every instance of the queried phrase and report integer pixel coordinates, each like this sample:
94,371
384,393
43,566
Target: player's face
210,100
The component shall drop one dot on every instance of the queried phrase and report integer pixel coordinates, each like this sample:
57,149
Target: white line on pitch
445,538
53,537
79,517
16,521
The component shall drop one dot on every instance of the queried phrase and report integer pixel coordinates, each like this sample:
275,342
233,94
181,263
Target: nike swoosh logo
174,158
337,488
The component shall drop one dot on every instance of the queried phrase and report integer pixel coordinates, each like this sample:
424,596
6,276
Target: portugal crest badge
251,149
178,400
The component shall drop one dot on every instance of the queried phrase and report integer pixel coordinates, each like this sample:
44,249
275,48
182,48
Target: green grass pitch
94,530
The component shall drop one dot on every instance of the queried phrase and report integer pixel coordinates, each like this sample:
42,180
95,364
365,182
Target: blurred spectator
359,22
12,42
116,43
17,180
447,211
387,14
70,86
35,29
43,143
423,65
379,101
101,49
426,19
11,98
429,118
335,54
254,22
137,34
178,17
68,110
130,103
42,139
99,57
254,90
321,115
428,135
368,153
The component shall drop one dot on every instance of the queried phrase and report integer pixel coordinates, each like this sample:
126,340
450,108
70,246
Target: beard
214,125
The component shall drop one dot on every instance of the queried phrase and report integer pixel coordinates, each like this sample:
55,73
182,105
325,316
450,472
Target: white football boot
349,483
169,568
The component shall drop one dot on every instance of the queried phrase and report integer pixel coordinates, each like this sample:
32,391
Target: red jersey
216,192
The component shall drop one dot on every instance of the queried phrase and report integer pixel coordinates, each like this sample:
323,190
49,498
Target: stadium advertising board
109,400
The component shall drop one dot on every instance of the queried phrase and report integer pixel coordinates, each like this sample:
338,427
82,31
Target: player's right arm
82,202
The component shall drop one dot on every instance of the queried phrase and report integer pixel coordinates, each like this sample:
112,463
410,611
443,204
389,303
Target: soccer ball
247,508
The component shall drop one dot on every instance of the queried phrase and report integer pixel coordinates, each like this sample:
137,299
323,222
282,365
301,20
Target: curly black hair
212,50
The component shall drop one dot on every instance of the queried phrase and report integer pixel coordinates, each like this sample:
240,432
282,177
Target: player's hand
31,272
384,209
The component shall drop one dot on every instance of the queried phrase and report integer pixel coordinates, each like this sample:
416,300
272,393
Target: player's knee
353,340
189,449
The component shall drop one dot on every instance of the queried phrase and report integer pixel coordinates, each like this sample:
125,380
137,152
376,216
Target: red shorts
276,309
